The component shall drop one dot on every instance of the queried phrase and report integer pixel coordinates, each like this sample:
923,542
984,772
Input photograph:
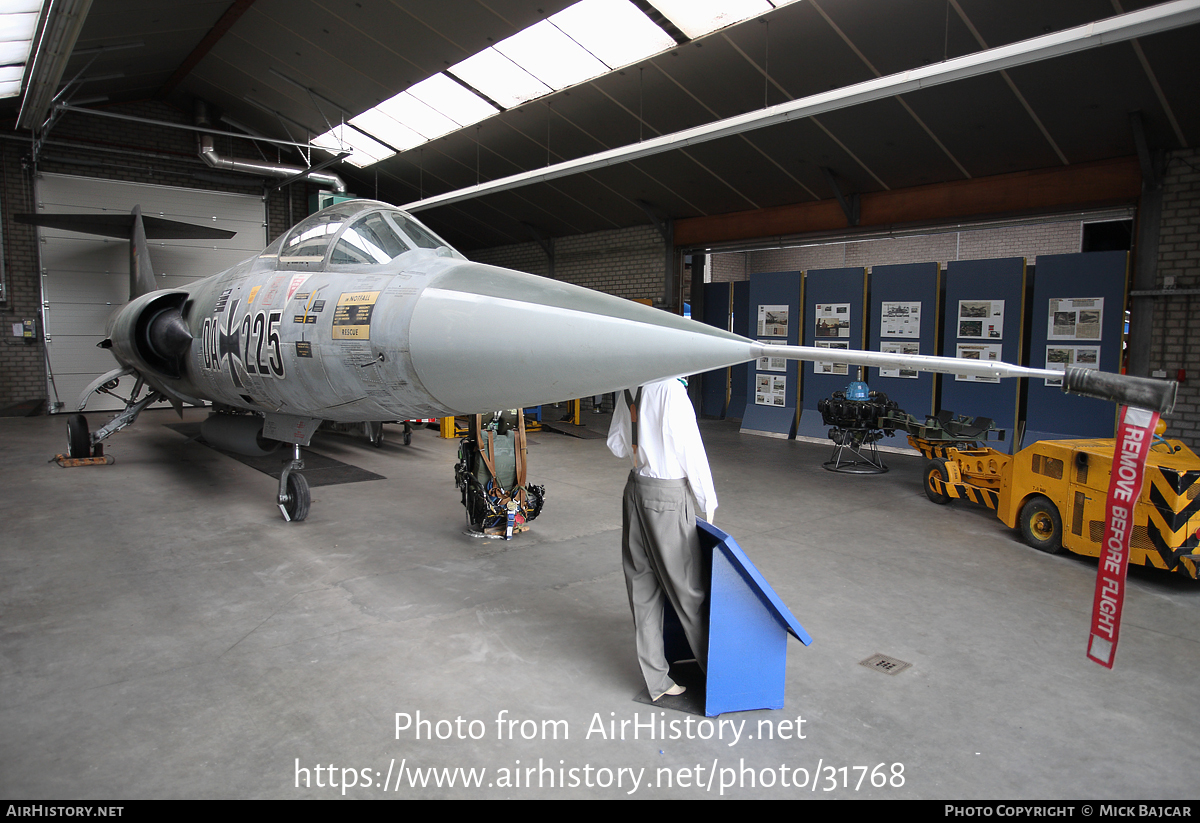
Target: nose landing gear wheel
298,497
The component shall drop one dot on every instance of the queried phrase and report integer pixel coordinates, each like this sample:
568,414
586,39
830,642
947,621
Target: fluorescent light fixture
613,30
499,78
379,125
451,99
696,18
551,56
364,150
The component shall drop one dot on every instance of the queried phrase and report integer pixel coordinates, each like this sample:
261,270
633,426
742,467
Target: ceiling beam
219,30
1121,28
1037,121
1106,182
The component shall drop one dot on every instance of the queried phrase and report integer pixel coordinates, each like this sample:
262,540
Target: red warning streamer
1134,436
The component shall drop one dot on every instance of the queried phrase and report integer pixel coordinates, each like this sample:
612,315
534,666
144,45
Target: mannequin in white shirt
660,545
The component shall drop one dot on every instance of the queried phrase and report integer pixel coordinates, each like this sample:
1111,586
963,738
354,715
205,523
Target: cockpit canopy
355,233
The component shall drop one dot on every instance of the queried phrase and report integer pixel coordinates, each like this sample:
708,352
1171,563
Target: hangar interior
165,634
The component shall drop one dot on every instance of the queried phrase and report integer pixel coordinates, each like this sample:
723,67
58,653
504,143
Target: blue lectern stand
747,634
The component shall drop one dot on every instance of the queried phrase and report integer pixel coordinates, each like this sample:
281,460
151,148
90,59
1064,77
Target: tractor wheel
936,471
1041,525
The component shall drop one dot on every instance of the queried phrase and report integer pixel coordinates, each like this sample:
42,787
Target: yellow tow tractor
1054,490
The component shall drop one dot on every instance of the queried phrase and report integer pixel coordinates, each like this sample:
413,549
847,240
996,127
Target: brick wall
1175,343
90,146
22,365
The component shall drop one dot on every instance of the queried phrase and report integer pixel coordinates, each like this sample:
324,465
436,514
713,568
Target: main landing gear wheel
1041,525
298,497
79,442
935,471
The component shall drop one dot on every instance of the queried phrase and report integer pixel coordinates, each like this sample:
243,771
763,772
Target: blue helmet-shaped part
858,390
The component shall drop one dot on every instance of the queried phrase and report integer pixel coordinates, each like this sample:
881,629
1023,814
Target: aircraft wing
119,225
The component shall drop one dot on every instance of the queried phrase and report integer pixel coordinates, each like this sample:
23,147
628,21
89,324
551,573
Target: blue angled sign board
834,301
984,319
1078,317
748,630
771,394
905,318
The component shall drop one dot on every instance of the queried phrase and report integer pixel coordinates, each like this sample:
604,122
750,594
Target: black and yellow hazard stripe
1174,515
962,491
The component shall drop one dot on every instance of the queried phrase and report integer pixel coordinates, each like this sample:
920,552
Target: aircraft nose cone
484,338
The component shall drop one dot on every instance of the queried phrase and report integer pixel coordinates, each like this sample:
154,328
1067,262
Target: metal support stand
856,453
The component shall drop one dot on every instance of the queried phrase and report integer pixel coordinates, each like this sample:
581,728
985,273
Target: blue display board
984,318
904,318
1077,319
834,301
771,394
739,375
714,389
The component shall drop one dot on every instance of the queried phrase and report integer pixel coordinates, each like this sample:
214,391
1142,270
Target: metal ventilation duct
259,168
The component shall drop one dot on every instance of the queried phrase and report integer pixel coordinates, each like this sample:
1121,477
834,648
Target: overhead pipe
261,168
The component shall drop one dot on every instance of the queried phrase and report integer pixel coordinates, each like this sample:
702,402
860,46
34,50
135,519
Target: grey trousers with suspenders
660,554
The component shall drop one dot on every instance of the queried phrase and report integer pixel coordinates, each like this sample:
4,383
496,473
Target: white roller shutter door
86,278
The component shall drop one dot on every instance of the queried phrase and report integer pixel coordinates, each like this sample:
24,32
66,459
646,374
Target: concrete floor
163,633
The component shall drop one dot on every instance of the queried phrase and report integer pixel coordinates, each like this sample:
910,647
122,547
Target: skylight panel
696,18
364,150
613,30
551,56
10,80
18,23
13,52
499,78
420,117
380,126
451,99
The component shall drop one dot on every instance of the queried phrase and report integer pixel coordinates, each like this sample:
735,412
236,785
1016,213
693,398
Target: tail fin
135,228
141,273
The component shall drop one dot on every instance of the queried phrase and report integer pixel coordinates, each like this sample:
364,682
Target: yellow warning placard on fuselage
352,316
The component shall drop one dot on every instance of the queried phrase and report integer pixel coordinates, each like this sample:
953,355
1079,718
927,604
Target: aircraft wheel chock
79,444
298,496
936,470
1041,525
